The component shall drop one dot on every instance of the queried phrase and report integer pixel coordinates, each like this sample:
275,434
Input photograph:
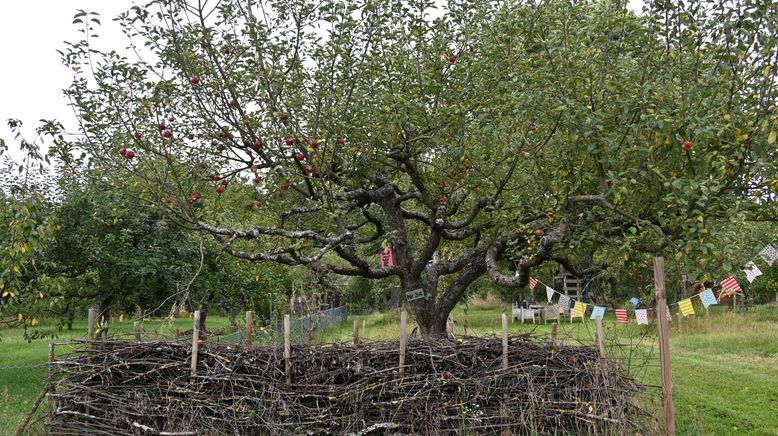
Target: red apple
340,141
284,186
309,169
123,151
288,140
219,190
216,177
137,135
687,145
162,126
538,233
250,206
315,145
452,59
257,180
167,134
195,80
299,157
171,118
259,204
258,145
130,154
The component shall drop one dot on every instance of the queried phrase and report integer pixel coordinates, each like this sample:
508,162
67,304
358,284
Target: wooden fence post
195,342
600,337
90,326
136,326
664,345
554,327
288,349
504,341
249,323
403,338
356,332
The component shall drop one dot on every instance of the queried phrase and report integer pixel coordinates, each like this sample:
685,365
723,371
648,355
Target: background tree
473,139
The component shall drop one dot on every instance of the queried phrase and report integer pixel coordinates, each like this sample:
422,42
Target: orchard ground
725,368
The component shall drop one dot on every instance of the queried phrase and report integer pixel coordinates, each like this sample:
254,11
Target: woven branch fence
139,388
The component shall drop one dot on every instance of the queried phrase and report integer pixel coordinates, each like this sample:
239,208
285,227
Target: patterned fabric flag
686,307
634,301
708,298
641,316
386,258
564,301
730,286
621,315
669,316
532,283
579,309
769,254
598,311
549,293
752,271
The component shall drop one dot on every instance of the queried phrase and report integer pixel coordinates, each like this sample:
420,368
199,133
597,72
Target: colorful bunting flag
621,316
641,316
532,284
708,298
386,258
730,286
634,301
669,316
686,307
598,311
752,271
579,309
549,293
564,301
769,254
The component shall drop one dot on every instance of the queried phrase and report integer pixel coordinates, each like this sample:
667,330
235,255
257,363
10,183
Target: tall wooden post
504,341
664,345
554,327
195,342
356,332
90,324
403,338
249,323
288,348
136,328
600,337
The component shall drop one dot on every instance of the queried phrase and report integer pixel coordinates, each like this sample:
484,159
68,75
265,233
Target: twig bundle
128,388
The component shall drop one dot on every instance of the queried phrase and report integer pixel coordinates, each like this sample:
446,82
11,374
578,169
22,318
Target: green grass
725,368
22,365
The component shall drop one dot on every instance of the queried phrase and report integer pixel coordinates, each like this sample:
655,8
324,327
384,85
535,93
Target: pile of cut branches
126,387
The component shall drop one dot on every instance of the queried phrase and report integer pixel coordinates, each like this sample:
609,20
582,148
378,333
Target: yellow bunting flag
578,309
686,307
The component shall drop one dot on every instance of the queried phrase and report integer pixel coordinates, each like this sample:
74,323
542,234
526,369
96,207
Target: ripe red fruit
162,126
452,59
253,168
257,180
310,170
195,80
216,177
315,145
167,134
130,154
259,204
137,135
538,233
288,140
250,206
171,118
340,141
123,151
284,186
258,145
299,157
687,145
219,190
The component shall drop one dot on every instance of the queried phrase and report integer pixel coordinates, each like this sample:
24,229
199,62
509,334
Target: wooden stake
195,342
554,331
403,338
600,337
249,323
504,341
136,326
90,326
664,345
288,349
356,332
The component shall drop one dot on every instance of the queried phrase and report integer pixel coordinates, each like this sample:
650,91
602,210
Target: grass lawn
725,368
23,369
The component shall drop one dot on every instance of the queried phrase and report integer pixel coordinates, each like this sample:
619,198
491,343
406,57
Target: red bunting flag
621,315
532,284
730,286
386,258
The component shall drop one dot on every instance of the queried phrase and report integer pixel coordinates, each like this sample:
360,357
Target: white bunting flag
752,271
549,293
564,301
641,316
769,254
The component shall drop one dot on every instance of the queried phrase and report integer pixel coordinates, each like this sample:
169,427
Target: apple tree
471,138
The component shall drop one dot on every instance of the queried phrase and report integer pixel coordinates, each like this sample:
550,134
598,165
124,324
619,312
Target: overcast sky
31,74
